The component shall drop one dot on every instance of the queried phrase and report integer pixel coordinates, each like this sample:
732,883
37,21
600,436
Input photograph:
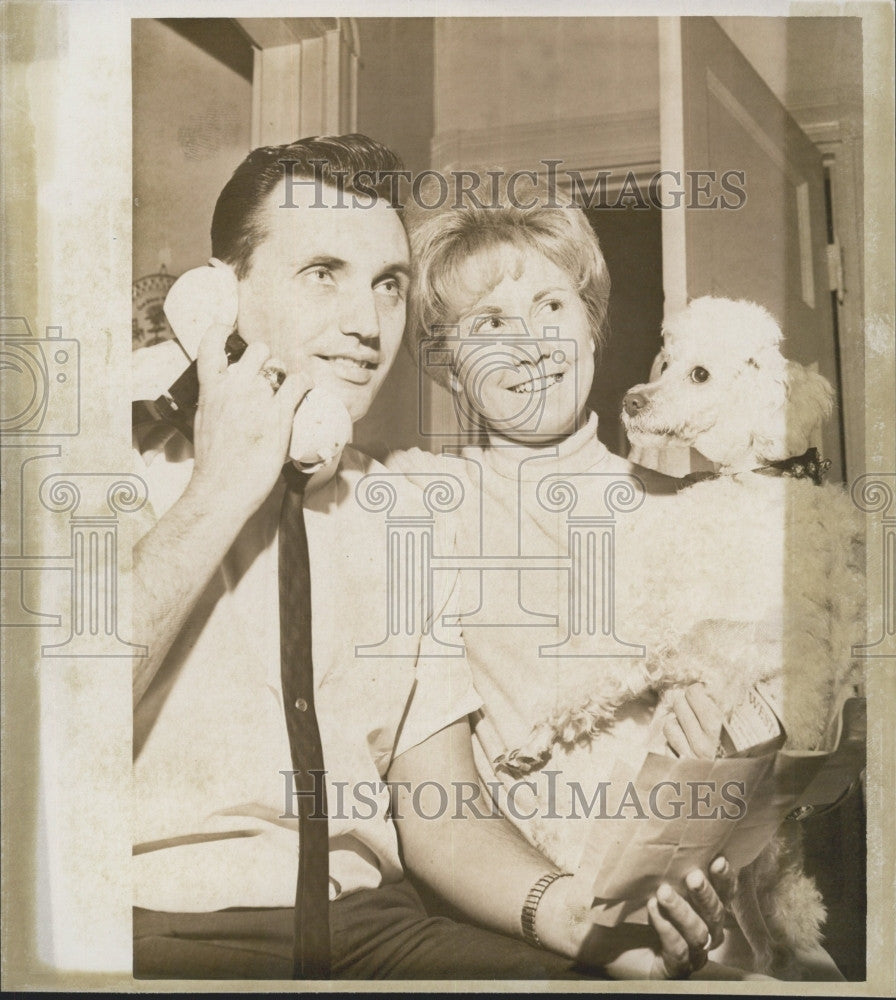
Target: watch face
149,324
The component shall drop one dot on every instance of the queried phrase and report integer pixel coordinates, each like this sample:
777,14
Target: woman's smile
525,358
538,383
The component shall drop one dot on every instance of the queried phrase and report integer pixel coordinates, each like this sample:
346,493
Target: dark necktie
311,956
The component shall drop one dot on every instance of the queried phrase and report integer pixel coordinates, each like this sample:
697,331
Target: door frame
304,77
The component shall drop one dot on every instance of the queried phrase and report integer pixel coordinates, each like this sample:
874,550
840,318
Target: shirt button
301,704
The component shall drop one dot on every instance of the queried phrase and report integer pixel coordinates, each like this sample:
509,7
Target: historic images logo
548,187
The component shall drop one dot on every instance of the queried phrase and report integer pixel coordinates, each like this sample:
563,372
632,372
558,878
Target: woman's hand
688,932
694,728
676,943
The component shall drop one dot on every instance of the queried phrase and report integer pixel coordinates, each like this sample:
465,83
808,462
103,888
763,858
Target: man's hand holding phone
248,421
248,424
243,424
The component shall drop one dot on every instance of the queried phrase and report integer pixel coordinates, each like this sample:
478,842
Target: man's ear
221,265
200,298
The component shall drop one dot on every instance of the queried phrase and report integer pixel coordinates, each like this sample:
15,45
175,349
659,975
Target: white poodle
726,390
761,552
753,577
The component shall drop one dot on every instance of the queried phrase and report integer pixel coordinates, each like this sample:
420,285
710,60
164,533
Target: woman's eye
699,374
488,324
549,306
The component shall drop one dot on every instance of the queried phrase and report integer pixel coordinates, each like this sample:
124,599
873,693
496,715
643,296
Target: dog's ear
768,430
794,403
810,402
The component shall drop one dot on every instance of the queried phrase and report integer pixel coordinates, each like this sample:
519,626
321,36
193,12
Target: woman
512,304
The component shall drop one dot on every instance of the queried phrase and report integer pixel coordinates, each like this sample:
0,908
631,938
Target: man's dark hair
237,226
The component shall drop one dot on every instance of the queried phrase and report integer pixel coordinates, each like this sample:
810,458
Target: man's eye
318,274
389,286
699,374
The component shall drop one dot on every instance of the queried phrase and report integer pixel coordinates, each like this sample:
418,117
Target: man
322,283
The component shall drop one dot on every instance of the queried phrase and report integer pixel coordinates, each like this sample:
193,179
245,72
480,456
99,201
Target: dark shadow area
631,241
219,37
834,845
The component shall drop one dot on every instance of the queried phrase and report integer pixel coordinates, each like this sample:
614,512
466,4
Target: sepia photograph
476,568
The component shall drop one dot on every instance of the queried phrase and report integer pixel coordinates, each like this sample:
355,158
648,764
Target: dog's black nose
633,402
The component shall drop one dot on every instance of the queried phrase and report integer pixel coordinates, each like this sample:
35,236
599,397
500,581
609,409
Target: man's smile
355,368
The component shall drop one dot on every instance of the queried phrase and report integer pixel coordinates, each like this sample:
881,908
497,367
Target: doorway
632,245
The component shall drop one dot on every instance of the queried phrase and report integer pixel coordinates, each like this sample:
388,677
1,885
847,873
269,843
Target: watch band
530,906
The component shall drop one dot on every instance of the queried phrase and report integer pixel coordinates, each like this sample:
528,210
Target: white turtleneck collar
579,452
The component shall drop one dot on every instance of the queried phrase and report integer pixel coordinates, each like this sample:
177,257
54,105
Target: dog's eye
699,374
663,367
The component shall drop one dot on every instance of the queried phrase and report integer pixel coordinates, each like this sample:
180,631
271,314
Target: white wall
498,72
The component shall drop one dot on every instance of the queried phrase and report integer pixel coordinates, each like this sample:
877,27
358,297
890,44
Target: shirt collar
579,452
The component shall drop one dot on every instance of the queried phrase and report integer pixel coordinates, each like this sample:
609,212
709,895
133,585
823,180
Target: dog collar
809,465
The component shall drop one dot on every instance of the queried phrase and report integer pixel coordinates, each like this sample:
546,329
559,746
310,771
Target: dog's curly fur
727,390
738,579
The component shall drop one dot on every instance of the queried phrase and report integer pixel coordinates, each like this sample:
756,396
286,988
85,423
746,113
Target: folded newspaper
680,813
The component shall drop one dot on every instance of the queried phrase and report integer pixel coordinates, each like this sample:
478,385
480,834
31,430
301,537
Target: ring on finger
273,376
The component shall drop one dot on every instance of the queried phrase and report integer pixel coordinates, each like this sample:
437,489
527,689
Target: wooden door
718,115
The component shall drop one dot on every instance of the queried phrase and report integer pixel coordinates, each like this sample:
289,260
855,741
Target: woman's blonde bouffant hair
444,237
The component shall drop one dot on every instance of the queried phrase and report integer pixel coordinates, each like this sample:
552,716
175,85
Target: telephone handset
207,295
